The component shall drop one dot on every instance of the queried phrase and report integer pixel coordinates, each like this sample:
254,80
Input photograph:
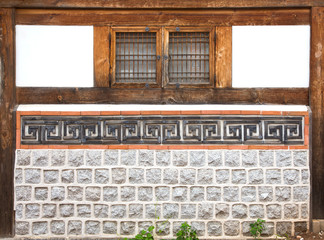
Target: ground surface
309,236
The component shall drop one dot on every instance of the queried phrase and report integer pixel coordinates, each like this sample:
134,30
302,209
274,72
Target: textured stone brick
32,176
135,211
110,194
238,176
248,194
136,175
74,227
232,158
231,228
127,193
102,176
32,210
66,210
93,194
231,194
109,227
128,157
205,211
188,176
75,158
304,210
205,176
101,210
170,176
305,176
163,158
246,228
273,176
221,210
268,229
266,158
214,228
145,193
41,193
40,158
176,227
19,211
23,157
199,227
57,227
179,194
283,158
256,211
197,158
84,210
58,157
57,193
290,211
118,211
146,157
249,158
265,193
170,210
153,211
127,228
222,176
255,176
39,228
118,175
23,193
18,176
75,193
301,194
197,194
153,176
93,157
300,227
214,193
84,176
92,227
239,211
51,176
291,177
22,228
180,158
49,210
163,228
300,158
283,194
273,211
67,176
188,211
111,157
283,228
215,158
162,193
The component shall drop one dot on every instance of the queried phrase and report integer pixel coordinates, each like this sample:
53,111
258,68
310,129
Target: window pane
135,57
189,57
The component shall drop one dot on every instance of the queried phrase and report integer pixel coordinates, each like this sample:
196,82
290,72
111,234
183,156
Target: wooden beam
7,127
162,96
317,106
229,17
131,4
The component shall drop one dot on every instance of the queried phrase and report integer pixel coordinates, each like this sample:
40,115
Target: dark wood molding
7,123
162,96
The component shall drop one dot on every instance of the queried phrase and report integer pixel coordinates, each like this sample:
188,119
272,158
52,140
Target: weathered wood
317,106
7,127
162,96
223,57
165,17
158,3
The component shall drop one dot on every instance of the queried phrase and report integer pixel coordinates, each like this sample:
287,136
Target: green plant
186,233
256,228
145,234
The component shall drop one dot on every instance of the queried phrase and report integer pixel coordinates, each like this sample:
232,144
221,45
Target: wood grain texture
162,96
220,17
317,106
158,3
7,121
223,57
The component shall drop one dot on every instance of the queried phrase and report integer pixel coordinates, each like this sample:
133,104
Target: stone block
101,210
283,158
93,157
273,176
316,226
266,158
136,175
199,227
109,227
265,193
301,193
153,176
84,176
127,194
268,229
39,228
66,210
146,158
180,158
32,176
215,158
221,210
283,228
22,228
118,211
58,157
248,194
51,176
102,176
231,228
222,176
145,194
188,176
19,211
75,193
170,210
67,176
93,194
179,194
176,227
128,157
118,175
163,158
300,227
205,211
273,211
18,176
197,158
246,228
239,211
40,158
76,158
249,159
23,193
41,193
256,211
238,176
291,211
23,157
232,158
110,194
300,158
197,194
57,227
214,193
163,228
214,228
111,157
84,210
153,211
231,194
92,227
205,176
32,211
74,227
49,211
305,176
283,194
170,176
304,212
162,193
127,228
57,193
291,176
188,211
256,176
135,211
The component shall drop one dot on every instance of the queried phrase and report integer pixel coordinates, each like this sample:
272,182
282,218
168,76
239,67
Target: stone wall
111,193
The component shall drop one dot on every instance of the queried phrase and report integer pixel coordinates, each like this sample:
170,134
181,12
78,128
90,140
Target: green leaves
186,233
256,228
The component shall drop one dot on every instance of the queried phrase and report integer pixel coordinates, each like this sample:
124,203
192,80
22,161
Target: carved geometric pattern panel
162,130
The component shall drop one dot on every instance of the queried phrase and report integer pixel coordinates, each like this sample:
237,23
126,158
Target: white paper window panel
270,56
54,56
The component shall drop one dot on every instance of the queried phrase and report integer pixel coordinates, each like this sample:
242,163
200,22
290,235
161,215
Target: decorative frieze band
162,130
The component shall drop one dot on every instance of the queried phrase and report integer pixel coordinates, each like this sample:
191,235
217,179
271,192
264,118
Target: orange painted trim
188,112
298,147
110,113
90,113
27,113
150,112
56,113
270,112
170,112
17,138
250,112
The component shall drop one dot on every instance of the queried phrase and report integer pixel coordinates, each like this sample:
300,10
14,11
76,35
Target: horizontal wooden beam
131,4
165,17
162,96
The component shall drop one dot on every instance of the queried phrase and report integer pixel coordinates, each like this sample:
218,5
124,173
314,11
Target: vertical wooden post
7,133
317,106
